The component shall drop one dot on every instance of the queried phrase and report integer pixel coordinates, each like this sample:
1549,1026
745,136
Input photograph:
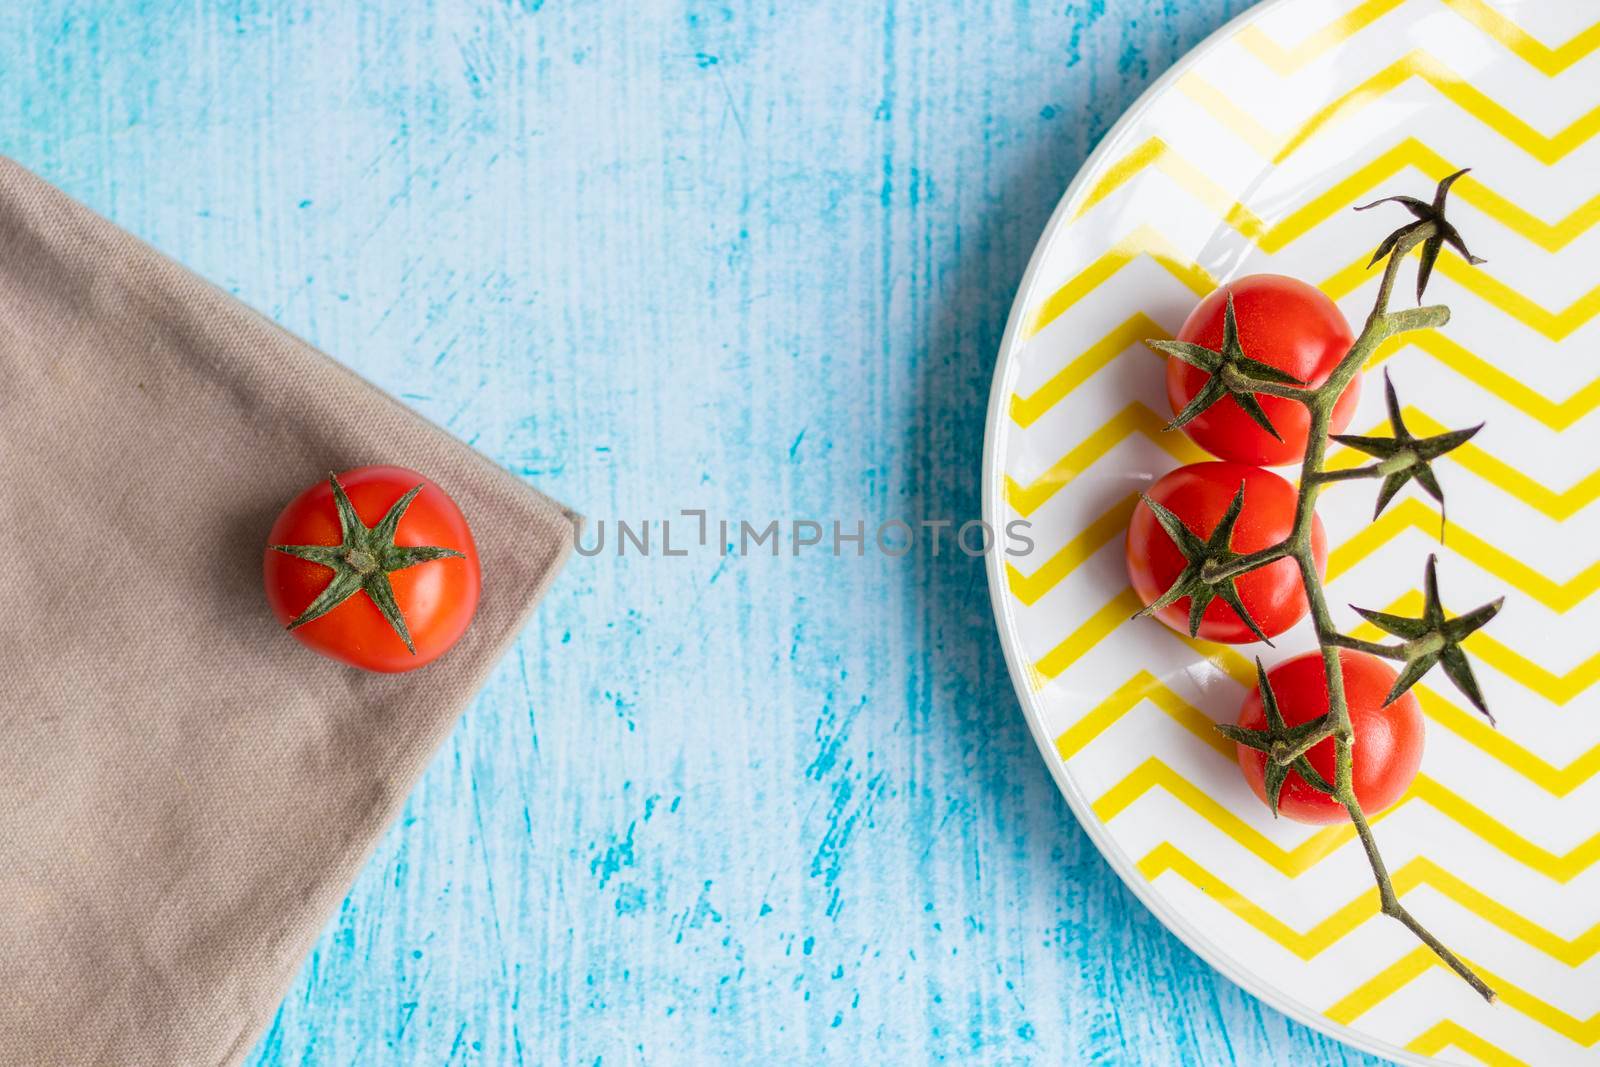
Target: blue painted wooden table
747,258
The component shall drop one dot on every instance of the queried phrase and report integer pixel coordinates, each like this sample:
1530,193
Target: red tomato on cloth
375,568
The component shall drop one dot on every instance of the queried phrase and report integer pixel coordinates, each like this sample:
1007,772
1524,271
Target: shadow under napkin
186,794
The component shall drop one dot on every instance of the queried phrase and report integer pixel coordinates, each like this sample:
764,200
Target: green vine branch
1432,639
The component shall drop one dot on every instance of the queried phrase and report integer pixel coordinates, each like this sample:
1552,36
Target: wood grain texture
752,258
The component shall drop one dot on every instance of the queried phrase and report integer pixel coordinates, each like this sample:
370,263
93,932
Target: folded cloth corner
186,794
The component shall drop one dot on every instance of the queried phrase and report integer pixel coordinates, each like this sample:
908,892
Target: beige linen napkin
186,793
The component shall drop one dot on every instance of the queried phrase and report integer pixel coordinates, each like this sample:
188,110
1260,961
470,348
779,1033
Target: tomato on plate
1388,737
1282,322
1199,495
375,567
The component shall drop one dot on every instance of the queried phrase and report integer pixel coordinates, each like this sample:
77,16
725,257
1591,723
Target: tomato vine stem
1319,401
1432,639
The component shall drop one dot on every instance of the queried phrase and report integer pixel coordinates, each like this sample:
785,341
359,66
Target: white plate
1245,158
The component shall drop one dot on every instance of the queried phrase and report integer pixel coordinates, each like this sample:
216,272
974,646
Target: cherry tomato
1388,738
1199,495
430,567
1283,322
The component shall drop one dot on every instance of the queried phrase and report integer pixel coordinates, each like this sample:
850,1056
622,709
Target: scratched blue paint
752,258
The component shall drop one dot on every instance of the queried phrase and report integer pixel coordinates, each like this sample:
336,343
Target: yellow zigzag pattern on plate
1468,725
1293,862
1167,858
1156,153
1134,330
1559,689
1142,241
1555,324
1521,43
1133,419
1419,64
1447,1033
1145,240
1412,513
1421,959
1559,505
1139,327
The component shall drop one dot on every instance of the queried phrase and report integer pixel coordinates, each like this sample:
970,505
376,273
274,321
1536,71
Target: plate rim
1000,604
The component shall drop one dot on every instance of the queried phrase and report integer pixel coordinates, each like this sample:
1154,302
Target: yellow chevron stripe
1558,867
1558,415
1557,504
1375,990
1573,952
1418,64
1293,862
1464,723
1420,960
1142,686
1156,153
1028,588
1135,418
1139,327
1556,325
1168,858
1411,513
1559,689
1447,1033
1288,60
1468,725
1460,92
1524,45
1584,1032
1550,236
1559,781
1492,23
1155,774
1116,611
1234,118
1142,241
